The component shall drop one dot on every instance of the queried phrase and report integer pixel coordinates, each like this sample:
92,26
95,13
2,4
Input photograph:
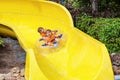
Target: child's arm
55,31
41,39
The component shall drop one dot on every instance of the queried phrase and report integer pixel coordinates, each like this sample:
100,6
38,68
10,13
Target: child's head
40,29
48,32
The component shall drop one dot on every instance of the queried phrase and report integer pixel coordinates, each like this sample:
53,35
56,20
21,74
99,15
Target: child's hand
56,30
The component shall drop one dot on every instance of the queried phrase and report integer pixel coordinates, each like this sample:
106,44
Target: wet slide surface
77,57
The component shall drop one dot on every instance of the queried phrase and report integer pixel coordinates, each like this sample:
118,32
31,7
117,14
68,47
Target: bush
1,42
104,29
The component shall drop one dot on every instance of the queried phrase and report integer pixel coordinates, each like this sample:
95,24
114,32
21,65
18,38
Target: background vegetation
103,29
98,18
1,42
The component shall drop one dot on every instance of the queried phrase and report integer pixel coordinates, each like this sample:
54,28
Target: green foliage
1,42
77,3
74,3
111,4
105,30
83,22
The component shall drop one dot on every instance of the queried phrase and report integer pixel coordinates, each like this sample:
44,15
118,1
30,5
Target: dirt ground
115,58
12,61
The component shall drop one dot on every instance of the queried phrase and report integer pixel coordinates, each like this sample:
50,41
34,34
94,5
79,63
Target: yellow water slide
77,57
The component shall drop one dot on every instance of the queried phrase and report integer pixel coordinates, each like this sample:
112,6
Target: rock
18,77
118,72
115,63
8,76
22,78
22,72
112,54
2,77
15,74
115,68
15,70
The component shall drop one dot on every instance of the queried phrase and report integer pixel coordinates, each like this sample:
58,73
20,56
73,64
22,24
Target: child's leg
46,43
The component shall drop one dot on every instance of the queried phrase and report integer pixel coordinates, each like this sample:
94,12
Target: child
52,37
42,32
49,36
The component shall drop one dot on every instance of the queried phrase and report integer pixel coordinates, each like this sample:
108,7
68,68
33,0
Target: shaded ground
115,58
12,60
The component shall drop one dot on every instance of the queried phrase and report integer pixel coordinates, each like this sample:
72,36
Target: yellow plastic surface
5,31
78,56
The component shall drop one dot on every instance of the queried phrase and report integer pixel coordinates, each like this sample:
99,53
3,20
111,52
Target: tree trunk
94,4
